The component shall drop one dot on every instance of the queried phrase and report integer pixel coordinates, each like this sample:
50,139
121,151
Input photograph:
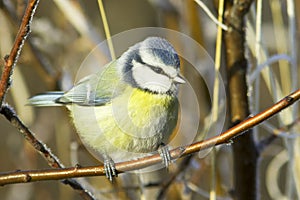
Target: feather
46,99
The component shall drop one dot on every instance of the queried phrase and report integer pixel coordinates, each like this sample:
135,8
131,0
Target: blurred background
64,32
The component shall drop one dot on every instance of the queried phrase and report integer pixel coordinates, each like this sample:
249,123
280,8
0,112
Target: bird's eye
157,70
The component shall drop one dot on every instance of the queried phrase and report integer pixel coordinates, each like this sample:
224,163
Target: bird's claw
110,169
165,155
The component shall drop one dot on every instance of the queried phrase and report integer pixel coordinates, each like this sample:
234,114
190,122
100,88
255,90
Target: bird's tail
46,99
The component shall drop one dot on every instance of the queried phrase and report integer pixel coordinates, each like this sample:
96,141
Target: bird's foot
165,155
110,169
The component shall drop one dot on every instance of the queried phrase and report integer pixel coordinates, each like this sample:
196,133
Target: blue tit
130,107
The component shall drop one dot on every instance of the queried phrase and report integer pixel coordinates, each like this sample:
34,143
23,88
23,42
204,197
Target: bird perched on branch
129,108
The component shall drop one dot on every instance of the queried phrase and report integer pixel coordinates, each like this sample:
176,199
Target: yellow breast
136,121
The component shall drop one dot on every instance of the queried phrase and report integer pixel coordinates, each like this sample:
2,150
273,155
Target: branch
5,82
166,184
265,142
51,159
43,61
225,137
12,58
245,152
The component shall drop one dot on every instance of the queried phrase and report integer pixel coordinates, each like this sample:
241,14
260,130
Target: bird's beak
179,79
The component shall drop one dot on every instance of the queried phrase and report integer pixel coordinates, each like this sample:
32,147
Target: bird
128,109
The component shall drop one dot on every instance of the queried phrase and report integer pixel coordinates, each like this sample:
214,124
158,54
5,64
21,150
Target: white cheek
148,79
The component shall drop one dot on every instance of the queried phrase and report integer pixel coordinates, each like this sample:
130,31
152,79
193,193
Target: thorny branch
224,138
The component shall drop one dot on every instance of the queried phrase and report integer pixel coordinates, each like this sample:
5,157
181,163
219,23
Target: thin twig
43,61
12,117
106,30
264,143
12,58
5,82
166,184
224,138
283,132
51,159
210,15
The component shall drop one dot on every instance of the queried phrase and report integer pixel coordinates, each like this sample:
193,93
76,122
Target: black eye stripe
157,70
153,68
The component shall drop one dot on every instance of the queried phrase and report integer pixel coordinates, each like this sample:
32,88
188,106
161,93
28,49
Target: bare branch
51,159
225,137
245,184
265,142
42,59
166,184
9,113
12,58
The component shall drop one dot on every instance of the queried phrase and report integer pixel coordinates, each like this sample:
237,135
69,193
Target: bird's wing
96,89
